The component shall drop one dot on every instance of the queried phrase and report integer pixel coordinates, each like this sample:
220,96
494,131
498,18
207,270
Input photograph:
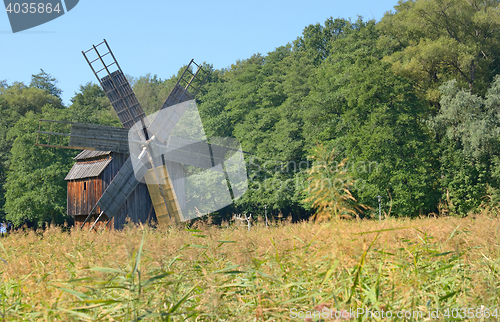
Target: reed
265,274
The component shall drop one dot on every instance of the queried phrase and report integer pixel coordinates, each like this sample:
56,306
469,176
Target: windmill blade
122,98
196,154
82,136
181,138
200,154
120,188
163,122
167,192
234,166
206,191
221,180
183,91
115,84
99,138
176,96
225,185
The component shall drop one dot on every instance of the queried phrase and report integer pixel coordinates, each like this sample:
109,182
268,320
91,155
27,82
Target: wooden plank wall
80,200
138,206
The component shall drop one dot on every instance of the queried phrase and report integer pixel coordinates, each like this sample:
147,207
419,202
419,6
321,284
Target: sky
159,37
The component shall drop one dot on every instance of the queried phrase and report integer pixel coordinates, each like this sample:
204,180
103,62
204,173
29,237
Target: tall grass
266,274
329,190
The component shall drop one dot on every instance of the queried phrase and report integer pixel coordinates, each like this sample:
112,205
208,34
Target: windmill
187,174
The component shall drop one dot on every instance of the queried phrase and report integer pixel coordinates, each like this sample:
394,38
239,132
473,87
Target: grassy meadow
288,272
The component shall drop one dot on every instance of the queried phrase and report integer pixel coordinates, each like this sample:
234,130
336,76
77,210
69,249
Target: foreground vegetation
212,273
416,94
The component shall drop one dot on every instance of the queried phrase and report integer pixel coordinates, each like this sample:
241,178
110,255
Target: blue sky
158,37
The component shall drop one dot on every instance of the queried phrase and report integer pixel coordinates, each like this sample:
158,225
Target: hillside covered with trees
412,102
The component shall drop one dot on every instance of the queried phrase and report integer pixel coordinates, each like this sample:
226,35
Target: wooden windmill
167,151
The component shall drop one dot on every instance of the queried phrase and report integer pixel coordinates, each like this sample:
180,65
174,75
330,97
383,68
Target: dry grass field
413,269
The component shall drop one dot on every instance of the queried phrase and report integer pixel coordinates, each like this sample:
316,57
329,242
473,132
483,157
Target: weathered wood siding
83,194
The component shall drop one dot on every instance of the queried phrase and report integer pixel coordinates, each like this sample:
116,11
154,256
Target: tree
467,128
370,90
213,100
373,118
35,186
439,40
16,101
151,92
316,39
46,82
90,105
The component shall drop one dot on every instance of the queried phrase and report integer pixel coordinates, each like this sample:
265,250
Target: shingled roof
89,154
89,164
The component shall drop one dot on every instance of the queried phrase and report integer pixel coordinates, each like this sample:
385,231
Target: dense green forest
412,102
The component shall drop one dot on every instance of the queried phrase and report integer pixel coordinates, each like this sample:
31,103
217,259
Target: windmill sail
99,138
185,88
122,98
170,113
82,136
131,115
177,95
120,188
204,154
173,190
115,85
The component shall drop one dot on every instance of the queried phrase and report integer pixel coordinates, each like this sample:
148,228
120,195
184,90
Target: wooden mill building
88,179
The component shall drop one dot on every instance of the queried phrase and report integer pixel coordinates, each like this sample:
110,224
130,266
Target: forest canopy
412,102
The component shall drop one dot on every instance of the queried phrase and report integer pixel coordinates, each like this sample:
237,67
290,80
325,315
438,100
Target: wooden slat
122,99
86,137
176,96
100,138
166,185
